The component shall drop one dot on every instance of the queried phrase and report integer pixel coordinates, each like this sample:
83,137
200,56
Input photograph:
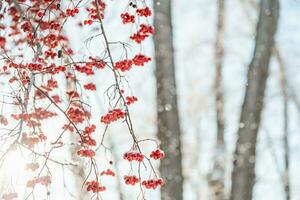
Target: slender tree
167,111
216,177
243,176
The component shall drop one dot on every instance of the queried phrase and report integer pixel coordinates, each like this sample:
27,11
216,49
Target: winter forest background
229,127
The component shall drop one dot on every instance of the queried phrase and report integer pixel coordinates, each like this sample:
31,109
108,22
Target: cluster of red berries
86,136
52,41
26,27
145,12
2,42
76,115
112,116
127,18
153,183
72,94
51,84
29,141
72,12
32,166
43,180
108,172
86,69
90,86
131,156
144,32
157,154
88,22
94,186
99,64
93,12
3,120
124,65
140,60
131,180
86,153
56,98
50,54
130,100
39,114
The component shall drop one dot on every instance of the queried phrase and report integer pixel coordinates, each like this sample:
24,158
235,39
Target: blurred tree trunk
167,111
243,176
216,177
283,83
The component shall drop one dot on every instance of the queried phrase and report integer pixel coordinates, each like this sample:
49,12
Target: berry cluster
86,153
93,12
152,183
94,186
157,154
131,180
90,86
112,116
144,12
108,172
2,42
43,180
124,65
72,12
140,60
127,18
86,138
3,120
144,32
131,156
77,113
130,100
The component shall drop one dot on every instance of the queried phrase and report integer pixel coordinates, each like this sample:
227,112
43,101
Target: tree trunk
243,176
216,177
167,111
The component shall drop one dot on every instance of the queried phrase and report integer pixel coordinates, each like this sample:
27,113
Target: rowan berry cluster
131,156
152,183
157,154
90,86
144,12
108,172
130,100
2,42
72,12
131,180
112,116
127,18
93,12
140,60
86,138
86,153
77,113
3,120
144,32
94,186
124,65
43,180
